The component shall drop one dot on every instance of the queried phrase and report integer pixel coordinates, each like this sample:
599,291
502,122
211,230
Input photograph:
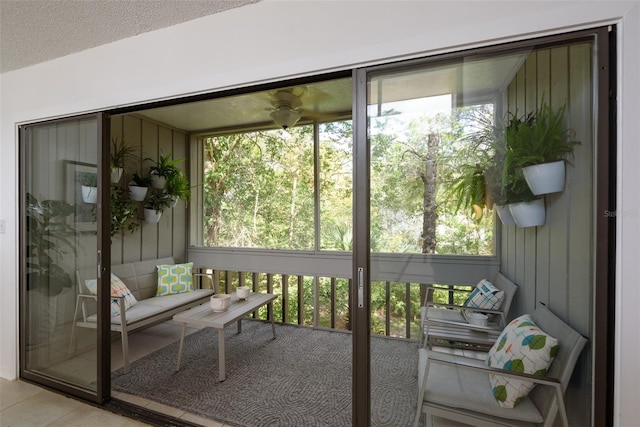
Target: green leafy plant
124,212
164,166
141,181
469,189
158,201
178,186
122,155
533,138
89,179
48,233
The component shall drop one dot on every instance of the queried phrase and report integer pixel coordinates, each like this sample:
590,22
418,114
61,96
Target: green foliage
165,166
124,212
533,138
48,233
141,181
122,155
158,201
178,186
89,179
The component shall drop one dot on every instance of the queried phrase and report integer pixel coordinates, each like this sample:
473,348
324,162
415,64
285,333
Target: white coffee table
203,315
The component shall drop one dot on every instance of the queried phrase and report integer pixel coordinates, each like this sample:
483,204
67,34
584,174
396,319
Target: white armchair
458,388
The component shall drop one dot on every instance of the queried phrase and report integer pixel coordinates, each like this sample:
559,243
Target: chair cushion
467,389
521,347
118,289
174,279
157,305
485,295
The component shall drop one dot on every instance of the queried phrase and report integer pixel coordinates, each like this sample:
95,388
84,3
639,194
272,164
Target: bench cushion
157,305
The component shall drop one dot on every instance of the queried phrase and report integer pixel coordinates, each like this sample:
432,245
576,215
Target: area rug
302,378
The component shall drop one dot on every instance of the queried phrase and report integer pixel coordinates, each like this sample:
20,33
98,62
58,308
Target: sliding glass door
429,178
62,210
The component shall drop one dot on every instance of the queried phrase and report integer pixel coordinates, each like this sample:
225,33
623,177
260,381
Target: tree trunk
429,213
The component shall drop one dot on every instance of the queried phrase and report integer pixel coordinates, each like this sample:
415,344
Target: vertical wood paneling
150,238
558,269
542,256
132,132
117,242
168,237
179,214
580,183
558,204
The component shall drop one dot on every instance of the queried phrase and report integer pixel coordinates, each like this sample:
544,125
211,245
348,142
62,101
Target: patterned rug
302,378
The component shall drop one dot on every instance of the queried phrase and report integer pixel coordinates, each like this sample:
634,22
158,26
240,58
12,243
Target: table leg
221,368
184,327
239,325
273,324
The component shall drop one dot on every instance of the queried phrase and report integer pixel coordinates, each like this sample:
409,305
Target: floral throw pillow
118,289
174,279
522,347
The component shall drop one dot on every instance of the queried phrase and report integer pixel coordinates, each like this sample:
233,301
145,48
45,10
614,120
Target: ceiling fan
287,106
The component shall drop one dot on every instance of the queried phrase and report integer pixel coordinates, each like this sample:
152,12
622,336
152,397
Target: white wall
272,40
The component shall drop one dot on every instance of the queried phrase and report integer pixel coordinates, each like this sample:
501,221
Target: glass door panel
436,137
60,235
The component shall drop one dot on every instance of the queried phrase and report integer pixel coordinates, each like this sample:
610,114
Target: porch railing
325,302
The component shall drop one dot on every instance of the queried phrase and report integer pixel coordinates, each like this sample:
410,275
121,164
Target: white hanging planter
158,181
174,201
545,178
152,216
528,214
137,193
89,194
505,214
116,174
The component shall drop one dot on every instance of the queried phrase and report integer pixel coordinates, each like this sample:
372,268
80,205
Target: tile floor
24,404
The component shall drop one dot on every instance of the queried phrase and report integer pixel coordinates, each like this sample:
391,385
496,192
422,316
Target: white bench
142,280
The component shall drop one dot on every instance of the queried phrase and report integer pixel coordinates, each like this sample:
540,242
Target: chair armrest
209,276
435,288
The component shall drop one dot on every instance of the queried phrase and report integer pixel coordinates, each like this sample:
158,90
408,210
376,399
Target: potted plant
526,208
177,187
540,147
89,188
48,231
469,189
121,156
138,187
124,212
154,205
164,168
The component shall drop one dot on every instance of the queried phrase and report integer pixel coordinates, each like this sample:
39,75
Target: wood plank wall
169,236
554,263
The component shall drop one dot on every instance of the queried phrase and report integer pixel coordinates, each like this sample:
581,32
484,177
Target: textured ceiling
34,31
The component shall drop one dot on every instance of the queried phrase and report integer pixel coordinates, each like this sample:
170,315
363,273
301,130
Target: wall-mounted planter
89,194
528,214
152,216
158,181
137,193
174,201
545,178
116,174
505,214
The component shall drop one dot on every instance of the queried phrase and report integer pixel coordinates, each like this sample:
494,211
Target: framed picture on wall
81,192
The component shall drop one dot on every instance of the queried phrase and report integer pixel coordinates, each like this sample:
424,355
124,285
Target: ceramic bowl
242,292
220,302
477,319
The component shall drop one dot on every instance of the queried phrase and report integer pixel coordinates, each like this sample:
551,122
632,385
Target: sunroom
336,193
